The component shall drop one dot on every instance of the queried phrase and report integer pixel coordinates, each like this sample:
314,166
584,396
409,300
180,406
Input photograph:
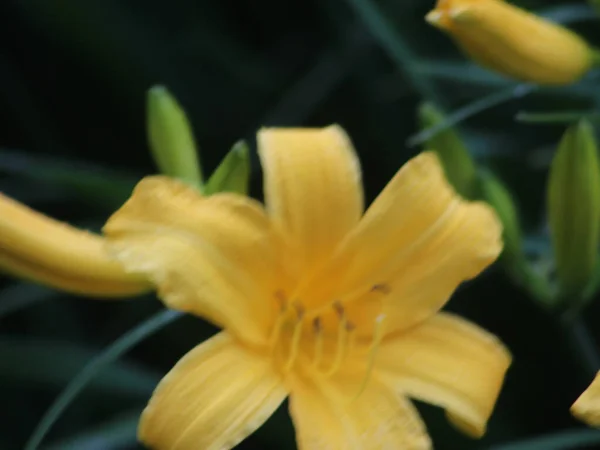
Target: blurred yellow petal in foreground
319,300
514,42
587,406
39,248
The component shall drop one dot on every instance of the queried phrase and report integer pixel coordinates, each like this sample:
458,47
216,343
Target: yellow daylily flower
514,42
335,308
587,406
38,248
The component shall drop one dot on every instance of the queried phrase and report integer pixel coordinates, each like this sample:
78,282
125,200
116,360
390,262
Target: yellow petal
587,406
329,415
449,362
215,256
41,249
214,397
312,188
416,243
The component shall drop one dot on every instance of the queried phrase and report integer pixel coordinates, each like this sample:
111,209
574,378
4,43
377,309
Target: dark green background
73,78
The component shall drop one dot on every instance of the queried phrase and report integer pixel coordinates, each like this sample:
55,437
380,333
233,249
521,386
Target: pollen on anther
317,325
339,308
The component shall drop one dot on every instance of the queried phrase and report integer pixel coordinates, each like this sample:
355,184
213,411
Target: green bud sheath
494,192
458,165
574,208
233,174
171,139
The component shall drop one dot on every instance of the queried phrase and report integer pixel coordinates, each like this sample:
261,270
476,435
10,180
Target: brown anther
299,310
350,326
317,325
338,308
382,288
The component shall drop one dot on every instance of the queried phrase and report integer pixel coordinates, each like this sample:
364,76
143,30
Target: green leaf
233,174
568,13
558,441
461,114
117,433
44,362
96,366
552,118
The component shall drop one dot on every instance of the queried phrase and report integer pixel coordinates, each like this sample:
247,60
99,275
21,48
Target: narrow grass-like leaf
82,379
48,363
557,441
471,109
117,433
556,117
568,13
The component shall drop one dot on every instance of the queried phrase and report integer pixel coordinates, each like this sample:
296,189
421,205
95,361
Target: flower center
325,339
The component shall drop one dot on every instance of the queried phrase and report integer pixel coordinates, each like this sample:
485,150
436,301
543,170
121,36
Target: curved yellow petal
587,406
449,362
214,397
329,415
215,256
416,243
313,190
41,249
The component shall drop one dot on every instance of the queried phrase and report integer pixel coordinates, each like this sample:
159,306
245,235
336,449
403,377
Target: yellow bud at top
514,42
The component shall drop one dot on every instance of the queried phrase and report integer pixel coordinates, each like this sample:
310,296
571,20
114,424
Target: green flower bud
574,208
493,191
171,139
233,173
458,165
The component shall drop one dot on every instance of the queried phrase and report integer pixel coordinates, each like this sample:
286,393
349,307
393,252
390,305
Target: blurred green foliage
73,80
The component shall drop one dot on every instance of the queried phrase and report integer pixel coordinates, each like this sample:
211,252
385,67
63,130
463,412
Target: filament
318,330
296,336
378,334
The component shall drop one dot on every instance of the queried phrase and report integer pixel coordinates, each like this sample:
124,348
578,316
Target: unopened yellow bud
514,42
41,249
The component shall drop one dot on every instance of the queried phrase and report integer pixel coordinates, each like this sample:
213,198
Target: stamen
342,338
382,288
281,318
318,331
296,335
378,334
